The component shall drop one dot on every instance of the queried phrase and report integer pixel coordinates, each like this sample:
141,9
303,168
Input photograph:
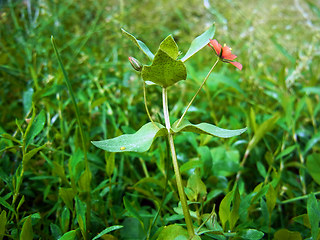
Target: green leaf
206,128
67,195
36,127
139,44
138,142
107,230
262,129
224,209
81,208
250,234
171,232
110,163
169,46
199,42
234,215
69,235
271,197
3,223
85,180
65,219
30,154
285,234
314,215
164,70
27,232
197,187
313,166
6,205
133,212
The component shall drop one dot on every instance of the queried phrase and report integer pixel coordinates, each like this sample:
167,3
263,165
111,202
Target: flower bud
135,64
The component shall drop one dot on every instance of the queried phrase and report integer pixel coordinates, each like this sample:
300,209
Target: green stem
204,81
145,103
182,195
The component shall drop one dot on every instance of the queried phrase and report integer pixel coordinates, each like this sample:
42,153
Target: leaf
169,46
197,187
271,197
139,44
171,232
224,209
65,219
250,234
81,208
287,151
69,235
3,223
85,180
262,129
27,232
30,154
199,42
314,215
133,212
206,128
110,164
234,215
138,142
107,230
313,166
36,127
6,205
285,234
67,195
164,70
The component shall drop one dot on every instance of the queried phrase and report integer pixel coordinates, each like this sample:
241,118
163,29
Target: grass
48,192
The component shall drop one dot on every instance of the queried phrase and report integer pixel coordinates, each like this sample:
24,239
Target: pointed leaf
36,127
170,47
234,215
199,42
271,197
224,209
206,128
81,208
3,223
139,44
172,232
138,142
164,70
314,215
27,232
285,234
313,166
69,235
250,234
107,230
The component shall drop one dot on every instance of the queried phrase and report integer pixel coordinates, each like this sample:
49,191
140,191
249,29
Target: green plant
167,69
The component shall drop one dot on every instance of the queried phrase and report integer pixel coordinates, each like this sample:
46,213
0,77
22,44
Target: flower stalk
202,84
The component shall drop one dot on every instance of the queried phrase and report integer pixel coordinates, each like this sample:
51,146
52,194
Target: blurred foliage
260,183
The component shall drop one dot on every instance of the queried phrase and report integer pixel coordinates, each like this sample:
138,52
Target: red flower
224,53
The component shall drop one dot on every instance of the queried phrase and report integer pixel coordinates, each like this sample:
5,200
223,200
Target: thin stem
204,81
145,103
182,195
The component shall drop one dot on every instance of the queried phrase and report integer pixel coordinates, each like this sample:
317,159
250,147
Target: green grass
46,189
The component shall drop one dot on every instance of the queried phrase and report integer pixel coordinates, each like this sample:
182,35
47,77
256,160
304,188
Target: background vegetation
44,191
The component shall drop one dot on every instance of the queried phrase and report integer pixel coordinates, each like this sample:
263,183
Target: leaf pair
141,140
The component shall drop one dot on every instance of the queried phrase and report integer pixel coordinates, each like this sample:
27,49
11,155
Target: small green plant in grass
168,68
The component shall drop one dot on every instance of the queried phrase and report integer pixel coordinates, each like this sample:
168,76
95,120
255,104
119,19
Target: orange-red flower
224,53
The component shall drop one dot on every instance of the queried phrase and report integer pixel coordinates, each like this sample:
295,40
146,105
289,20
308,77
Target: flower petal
237,65
226,52
216,46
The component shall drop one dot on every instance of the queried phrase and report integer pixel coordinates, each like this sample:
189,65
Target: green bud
135,64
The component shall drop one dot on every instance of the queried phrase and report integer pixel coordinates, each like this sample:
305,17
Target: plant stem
145,103
204,81
182,195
